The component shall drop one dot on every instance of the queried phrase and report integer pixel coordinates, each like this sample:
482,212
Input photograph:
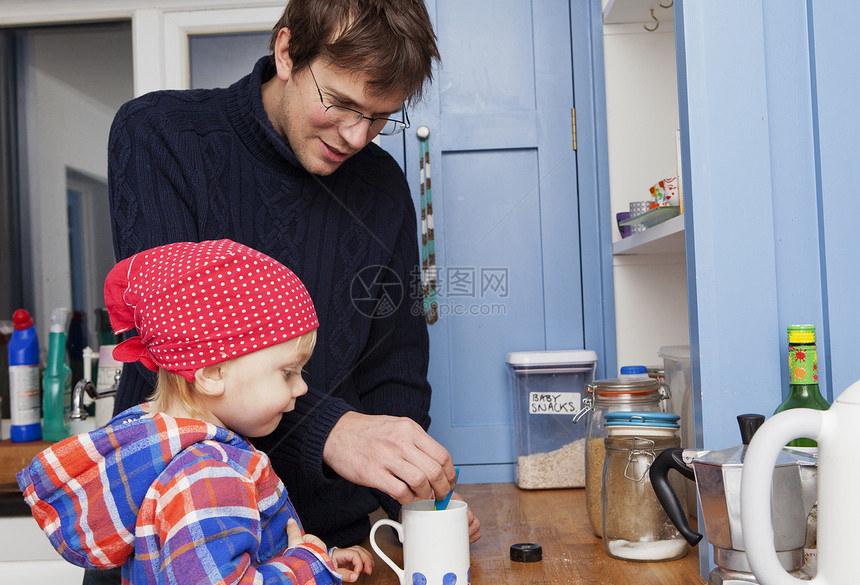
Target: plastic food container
548,388
678,375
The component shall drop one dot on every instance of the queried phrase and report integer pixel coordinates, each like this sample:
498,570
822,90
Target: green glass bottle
803,376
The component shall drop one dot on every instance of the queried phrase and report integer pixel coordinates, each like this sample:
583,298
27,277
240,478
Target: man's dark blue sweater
207,164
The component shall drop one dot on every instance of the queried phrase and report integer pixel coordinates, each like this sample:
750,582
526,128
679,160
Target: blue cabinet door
769,129
769,134
505,211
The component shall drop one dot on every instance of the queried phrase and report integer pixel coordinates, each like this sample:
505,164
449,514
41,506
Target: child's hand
295,536
356,557
474,523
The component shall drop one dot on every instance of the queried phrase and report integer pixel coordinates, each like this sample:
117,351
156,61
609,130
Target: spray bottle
57,381
24,397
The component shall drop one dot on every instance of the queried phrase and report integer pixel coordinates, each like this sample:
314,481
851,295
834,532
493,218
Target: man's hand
392,454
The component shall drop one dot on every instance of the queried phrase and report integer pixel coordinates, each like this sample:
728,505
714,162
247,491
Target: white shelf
663,238
635,11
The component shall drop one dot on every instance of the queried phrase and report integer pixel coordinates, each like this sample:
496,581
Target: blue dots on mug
448,579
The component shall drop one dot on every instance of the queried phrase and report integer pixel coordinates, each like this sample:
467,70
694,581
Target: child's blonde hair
174,390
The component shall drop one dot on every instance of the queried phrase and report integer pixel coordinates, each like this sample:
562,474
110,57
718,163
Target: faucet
85,386
78,410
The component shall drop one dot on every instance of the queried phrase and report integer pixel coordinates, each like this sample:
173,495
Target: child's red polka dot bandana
199,304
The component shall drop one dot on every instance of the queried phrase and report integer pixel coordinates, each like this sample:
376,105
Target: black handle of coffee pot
749,424
659,473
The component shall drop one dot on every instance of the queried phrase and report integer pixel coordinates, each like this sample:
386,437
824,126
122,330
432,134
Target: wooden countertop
16,456
555,519
13,458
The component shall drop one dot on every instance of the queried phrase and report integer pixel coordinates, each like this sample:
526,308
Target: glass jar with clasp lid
635,526
602,397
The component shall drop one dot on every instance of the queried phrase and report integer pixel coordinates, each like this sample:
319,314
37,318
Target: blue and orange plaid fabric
171,501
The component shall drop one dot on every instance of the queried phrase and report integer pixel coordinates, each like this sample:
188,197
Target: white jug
836,431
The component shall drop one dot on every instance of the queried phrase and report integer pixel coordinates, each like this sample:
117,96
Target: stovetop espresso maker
718,481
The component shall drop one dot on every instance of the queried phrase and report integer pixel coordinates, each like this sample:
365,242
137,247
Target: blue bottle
24,389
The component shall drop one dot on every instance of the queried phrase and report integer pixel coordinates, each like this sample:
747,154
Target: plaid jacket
170,500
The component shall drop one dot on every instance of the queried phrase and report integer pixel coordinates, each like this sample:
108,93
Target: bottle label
803,364
25,395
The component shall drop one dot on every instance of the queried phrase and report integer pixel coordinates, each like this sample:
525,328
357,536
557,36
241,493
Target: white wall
75,80
642,118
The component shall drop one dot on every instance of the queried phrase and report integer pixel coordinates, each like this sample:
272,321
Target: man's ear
209,380
283,62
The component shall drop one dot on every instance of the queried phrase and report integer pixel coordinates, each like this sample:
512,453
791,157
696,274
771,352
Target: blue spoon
443,503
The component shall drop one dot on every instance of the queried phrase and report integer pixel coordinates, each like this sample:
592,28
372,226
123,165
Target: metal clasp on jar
587,406
665,391
647,450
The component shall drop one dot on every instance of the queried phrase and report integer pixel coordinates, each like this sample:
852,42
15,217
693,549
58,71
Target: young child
171,490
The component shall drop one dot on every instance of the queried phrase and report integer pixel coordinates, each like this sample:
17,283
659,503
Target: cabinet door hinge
573,125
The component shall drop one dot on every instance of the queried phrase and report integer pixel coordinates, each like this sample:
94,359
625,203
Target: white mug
435,544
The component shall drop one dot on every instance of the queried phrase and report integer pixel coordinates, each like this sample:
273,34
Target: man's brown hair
390,41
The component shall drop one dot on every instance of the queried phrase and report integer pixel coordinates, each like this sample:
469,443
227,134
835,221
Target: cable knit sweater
207,164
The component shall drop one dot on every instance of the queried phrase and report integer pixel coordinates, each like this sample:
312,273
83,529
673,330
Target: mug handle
399,528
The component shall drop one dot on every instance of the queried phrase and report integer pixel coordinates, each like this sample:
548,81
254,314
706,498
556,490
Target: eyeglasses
343,116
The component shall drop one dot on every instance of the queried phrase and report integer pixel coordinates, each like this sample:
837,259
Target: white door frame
165,35
160,28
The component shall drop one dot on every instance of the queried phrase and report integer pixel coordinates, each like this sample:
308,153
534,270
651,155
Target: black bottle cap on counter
526,552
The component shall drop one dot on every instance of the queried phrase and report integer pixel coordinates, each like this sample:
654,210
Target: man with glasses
283,162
